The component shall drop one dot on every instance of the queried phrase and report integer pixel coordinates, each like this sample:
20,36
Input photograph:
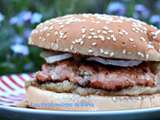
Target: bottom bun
43,99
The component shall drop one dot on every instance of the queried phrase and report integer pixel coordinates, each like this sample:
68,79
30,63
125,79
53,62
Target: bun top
99,35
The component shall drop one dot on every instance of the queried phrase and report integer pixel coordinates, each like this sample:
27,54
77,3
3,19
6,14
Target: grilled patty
69,87
97,76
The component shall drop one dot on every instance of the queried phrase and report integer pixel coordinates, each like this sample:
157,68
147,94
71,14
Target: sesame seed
83,30
77,40
90,50
106,28
91,29
110,31
95,36
140,54
51,27
45,28
125,32
111,54
80,39
113,37
131,39
101,51
124,51
81,42
108,38
71,47
94,43
83,36
93,33
89,37
101,37
61,26
61,34
73,42
139,98
142,38
147,56
104,32
121,33
114,99
56,32
133,29
106,52
98,31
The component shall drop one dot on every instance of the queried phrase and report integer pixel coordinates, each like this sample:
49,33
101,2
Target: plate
12,92
14,113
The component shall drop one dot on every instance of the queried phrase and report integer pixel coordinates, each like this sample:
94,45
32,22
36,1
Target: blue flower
155,20
26,33
20,49
36,18
117,8
141,12
29,66
17,40
157,5
1,17
21,18
126,0
25,15
16,21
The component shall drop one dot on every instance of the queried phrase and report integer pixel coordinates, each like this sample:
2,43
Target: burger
95,62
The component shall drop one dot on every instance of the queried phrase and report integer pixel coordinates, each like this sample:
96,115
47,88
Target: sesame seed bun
43,99
99,35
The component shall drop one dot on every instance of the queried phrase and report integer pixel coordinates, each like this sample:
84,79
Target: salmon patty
97,76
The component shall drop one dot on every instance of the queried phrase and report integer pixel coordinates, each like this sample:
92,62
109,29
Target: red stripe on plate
31,75
21,77
6,84
15,82
1,89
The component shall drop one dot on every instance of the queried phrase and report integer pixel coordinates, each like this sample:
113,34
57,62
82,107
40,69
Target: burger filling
87,77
